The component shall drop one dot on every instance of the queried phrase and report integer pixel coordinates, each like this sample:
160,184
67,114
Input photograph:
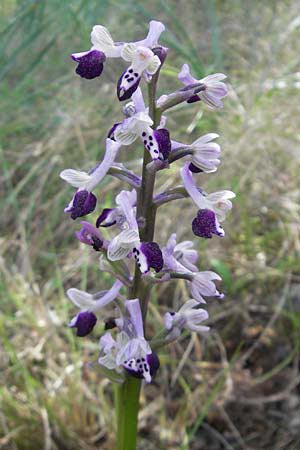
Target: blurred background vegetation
238,389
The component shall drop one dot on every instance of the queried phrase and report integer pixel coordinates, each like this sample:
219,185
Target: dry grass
239,389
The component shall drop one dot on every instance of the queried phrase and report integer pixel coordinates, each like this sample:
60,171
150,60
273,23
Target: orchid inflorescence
129,254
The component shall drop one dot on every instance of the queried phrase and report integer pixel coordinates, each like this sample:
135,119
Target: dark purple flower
212,89
84,202
90,63
84,322
206,224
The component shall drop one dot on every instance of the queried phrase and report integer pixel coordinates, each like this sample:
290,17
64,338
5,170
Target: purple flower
127,242
143,61
90,304
218,203
130,350
185,254
84,201
214,90
188,316
200,283
205,154
123,244
91,236
90,63
84,322
138,125
180,257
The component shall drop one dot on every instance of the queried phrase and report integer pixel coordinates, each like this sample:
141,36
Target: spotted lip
125,94
149,364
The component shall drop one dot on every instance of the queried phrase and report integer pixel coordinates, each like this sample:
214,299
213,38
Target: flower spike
120,232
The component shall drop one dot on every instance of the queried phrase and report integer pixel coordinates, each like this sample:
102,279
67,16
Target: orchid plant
123,234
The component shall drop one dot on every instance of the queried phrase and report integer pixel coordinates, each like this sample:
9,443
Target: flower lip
84,203
131,80
206,224
84,322
143,367
153,255
162,137
90,64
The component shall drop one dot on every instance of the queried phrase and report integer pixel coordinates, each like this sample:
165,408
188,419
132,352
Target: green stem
127,407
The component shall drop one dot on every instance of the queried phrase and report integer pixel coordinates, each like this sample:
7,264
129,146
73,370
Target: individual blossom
90,235
91,62
89,305
183,255
84,201
143,61
188,316
176,260
127,242
138,125
204,155
201,284
130,350
212,207
213,87
116,216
